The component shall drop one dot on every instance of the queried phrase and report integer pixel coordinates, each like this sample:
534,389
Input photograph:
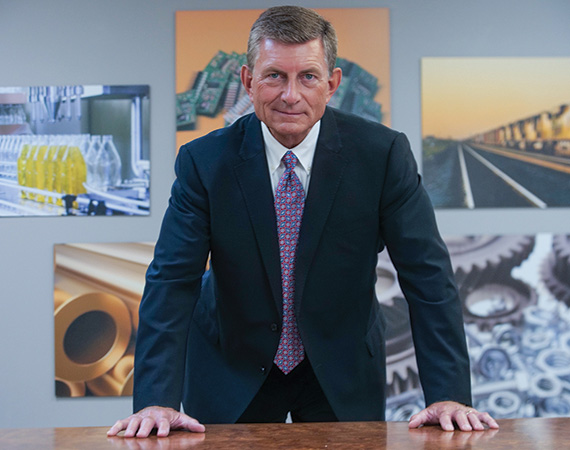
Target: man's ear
334,82
246,76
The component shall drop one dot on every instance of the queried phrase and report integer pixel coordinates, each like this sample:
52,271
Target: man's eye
274,76
309,76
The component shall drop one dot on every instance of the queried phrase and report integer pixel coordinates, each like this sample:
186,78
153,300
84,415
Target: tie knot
290,160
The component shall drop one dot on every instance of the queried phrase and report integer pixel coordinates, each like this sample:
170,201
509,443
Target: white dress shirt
304,152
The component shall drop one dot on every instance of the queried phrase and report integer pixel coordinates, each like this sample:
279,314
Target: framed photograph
74,150
97,292
515,293
211,48
496,132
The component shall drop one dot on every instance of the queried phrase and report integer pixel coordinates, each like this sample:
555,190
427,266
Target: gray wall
132,42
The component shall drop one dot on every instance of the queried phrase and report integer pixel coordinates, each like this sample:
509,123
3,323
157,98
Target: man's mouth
289,113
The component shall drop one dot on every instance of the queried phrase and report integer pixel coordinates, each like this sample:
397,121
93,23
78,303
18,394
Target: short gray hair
292,25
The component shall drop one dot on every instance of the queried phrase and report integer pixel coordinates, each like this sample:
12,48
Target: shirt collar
304,152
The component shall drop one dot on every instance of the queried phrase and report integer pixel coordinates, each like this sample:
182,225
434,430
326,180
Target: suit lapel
253,178
328,167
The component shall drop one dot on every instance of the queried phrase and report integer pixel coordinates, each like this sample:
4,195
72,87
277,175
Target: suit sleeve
172,289
426,277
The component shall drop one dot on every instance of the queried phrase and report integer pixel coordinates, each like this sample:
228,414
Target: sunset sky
465,96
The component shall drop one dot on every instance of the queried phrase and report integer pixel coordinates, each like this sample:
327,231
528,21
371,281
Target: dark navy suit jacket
213,353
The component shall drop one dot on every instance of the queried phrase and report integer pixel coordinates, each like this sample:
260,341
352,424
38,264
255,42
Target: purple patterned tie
289,202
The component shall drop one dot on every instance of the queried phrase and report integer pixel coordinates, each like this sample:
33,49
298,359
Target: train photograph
496,132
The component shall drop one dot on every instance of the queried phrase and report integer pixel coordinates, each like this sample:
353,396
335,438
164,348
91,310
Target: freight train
547,132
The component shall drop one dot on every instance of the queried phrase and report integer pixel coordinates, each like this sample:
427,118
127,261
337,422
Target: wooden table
514,434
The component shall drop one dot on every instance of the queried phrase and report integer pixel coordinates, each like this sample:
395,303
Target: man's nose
291,92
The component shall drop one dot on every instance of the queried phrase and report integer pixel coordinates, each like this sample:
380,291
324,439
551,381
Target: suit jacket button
262,369
274,327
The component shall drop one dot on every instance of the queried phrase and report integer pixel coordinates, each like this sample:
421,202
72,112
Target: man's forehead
267,43
274,52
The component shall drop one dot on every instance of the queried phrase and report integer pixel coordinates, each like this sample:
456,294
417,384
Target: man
293,205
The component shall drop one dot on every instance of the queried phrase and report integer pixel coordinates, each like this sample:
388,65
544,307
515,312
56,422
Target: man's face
290,86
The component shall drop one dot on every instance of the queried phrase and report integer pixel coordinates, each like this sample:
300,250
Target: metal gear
483,258
491,304
401,366
561,245
556,268
387,286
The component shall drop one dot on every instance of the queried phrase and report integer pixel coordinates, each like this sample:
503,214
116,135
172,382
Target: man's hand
164,419
446,413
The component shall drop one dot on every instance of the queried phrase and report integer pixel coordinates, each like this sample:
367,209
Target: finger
185,422
145,427
474,421
195,426
486,418
417,419
116,428
445,422
163,428
133,426
463,420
